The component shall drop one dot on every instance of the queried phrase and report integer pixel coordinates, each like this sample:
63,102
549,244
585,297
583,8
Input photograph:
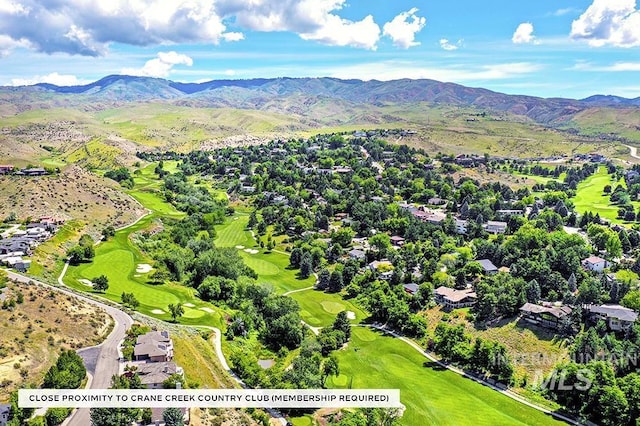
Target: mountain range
263,93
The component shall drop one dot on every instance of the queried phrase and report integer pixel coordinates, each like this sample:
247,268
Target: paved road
106,359
633,151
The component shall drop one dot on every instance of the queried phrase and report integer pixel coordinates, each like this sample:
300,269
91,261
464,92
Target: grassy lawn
589,196
432,395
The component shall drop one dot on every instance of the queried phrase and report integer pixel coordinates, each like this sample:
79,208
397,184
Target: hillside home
544,316
397,241
488,266
495,227
157,419
4,414
6,169
155,346
357,254
411,288
617,318
595,264
450,298
461,226
153,374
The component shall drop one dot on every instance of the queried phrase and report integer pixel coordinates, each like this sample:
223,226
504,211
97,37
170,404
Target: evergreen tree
306,266
173,417
323,280
533,291
336,282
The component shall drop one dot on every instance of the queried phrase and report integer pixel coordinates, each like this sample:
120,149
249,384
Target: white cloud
160,66
311,19
565,11
616,67
403,28
7,44
233,36
53,78
230,73
523,34
394,70
609,22
88,27
447,45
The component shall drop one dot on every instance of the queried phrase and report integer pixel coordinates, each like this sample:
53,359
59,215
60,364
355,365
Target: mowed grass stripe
432,395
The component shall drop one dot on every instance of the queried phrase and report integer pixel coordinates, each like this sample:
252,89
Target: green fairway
272,267
590,196
432,395
319,309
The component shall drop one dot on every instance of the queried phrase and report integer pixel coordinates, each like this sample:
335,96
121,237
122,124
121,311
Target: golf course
371,360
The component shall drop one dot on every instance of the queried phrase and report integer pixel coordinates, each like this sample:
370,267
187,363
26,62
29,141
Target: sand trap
251,251
157,311
137,276
351,315
235,218
86,282
189,305
143,268
239,247
208,310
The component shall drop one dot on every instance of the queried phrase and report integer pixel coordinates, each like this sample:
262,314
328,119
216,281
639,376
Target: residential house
595,264
4,414
157,419
6,169
397,241
383,264
495,227
544,316
411,288
435,201
357,254
155,346
35,171
153,374
461,226
488,266
618,318
505,213
22,265
450,298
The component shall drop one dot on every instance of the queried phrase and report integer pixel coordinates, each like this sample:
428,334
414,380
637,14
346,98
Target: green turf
432,396
319,309
590,196
272,267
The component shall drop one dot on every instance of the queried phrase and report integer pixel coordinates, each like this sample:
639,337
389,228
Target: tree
101,283
173,417
343,324
176,311
533,291
323,280
330,368
172,381
55,416
306,266
129,299
336,282
147,416
108,232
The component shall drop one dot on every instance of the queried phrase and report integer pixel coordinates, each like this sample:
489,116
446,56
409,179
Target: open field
35,331
431,394
199,361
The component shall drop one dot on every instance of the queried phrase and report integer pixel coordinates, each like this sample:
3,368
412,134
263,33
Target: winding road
633,151
107,357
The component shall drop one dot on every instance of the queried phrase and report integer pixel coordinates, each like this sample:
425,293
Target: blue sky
538,47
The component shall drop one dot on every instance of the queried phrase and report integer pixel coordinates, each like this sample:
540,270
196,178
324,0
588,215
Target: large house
495,227
450,298
595,264
155,346
544,316
153,374
617,317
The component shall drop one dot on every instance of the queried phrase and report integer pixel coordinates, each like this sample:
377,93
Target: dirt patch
41,326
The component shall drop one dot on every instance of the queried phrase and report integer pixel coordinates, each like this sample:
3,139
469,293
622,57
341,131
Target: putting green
333,307
193,313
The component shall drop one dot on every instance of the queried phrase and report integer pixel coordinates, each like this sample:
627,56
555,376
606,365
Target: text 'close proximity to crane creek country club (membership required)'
214,398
